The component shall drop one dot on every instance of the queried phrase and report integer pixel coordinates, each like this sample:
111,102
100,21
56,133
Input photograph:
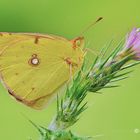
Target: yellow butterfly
34,66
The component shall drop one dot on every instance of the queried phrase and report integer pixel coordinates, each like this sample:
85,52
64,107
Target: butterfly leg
94,52
70,72
68,61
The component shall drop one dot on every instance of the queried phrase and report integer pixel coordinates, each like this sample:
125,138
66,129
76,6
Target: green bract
103,73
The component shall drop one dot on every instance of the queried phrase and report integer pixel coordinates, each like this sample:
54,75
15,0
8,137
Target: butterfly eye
78,42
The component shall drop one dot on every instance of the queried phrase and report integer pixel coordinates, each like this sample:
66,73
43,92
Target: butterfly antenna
90,26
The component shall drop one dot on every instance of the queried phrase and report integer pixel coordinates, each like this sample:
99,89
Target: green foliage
47,134
102,74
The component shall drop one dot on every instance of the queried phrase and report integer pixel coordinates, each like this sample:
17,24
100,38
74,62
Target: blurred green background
115,114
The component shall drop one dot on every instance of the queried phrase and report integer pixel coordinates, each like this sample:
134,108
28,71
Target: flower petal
131,38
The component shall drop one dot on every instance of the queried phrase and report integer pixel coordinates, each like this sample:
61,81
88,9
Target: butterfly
34,66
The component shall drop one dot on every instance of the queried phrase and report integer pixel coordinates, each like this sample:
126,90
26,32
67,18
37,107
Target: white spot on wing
35,61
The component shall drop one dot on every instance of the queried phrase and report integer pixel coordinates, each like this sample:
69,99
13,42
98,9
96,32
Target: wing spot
34,61
16,73
36,39
34,55
33,88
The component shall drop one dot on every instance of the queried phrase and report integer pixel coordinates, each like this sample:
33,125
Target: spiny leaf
130,65
119,79
111,86
113,54
38,128
120,75
105,49
119,46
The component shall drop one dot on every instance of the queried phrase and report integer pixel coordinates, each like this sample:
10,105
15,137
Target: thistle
103,73
132,44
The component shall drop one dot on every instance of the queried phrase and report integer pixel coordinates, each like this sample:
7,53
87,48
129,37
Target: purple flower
133,42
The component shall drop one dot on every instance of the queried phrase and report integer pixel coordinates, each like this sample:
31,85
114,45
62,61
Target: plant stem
100,76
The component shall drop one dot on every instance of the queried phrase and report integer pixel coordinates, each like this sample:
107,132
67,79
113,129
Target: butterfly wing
34,66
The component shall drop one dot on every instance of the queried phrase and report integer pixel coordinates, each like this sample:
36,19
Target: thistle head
133,43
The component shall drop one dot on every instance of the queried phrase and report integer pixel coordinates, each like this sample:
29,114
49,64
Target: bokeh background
115,114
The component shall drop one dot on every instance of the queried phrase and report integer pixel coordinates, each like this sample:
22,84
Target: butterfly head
78,42
75,58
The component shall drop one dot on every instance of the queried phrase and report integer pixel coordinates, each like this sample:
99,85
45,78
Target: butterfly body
34,66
